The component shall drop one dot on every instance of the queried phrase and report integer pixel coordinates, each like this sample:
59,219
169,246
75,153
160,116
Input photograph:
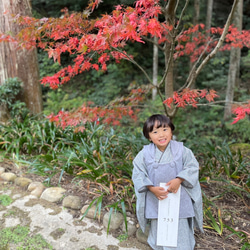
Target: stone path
34,206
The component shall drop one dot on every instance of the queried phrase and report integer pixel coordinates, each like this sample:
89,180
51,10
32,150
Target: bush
9,90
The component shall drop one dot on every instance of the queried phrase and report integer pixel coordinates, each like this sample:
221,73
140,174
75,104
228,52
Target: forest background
221,147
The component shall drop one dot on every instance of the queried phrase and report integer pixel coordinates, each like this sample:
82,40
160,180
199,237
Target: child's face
161,136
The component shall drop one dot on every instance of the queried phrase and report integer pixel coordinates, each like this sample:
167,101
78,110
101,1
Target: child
167,161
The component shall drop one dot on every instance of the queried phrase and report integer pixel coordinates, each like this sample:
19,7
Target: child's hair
160,120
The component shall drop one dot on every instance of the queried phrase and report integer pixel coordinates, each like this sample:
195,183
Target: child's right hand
159,192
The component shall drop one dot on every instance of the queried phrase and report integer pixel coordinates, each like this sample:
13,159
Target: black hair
161,120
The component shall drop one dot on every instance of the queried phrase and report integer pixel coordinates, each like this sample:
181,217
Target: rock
2,170
115,222
142,237
22,182
10,177
131,227
92,213
243,147
36,188
73,202
53,194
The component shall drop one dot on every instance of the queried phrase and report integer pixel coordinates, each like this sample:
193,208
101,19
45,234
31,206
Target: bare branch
188,82
134,62
218,102
153,42
182,13
176,6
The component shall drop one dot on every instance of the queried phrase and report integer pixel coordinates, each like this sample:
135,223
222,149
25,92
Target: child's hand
174,185
159,192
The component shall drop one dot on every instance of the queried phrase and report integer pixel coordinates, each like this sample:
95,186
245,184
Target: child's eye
165,129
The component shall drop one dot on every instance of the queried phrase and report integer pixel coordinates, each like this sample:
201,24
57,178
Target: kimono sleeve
190,172
140,175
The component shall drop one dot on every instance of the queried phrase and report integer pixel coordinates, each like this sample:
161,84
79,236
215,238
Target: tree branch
182,13
188,82
153,42
134,62
217,47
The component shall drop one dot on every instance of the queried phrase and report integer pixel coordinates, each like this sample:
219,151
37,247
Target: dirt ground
234,210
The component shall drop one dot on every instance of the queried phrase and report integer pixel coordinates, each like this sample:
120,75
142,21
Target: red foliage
95,42
111,114
190,97
241,112
85,114
76,34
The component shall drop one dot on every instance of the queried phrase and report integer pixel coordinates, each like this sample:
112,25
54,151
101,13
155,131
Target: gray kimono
189,172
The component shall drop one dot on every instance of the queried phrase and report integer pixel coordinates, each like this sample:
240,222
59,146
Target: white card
168,219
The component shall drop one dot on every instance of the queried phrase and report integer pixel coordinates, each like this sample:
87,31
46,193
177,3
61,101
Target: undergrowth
104,157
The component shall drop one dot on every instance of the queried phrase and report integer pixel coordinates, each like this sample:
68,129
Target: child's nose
161,133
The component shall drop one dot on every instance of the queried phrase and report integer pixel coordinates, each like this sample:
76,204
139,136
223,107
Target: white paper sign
168,219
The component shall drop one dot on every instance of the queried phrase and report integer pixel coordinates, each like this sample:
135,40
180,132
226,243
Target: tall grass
97,154
219,163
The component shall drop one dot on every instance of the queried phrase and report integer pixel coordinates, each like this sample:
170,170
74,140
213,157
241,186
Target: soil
234,209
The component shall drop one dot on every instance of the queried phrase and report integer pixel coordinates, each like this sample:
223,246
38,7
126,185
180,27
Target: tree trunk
209,16
19,62
196,12
234,67
195,22
155,69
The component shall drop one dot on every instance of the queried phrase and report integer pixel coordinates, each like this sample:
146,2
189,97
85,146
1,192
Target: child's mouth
162,141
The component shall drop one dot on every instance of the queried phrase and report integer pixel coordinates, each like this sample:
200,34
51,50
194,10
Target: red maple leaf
241,112
211,95
169,101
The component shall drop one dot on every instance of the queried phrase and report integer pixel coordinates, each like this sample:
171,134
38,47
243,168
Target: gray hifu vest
164,172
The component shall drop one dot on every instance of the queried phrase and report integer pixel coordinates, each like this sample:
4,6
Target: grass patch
5,200
20,236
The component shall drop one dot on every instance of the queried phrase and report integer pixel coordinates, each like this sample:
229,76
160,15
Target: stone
130,226
142,237
53,194
36,188
92,213
243,147
71,201
115,222
2,170
10,177
22,182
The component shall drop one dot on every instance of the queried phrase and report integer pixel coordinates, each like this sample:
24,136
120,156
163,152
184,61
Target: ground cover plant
102,156
21,236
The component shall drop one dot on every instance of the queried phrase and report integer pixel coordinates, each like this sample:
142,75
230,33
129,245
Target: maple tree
97,42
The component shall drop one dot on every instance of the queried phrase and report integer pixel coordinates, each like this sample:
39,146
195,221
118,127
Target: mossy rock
243,147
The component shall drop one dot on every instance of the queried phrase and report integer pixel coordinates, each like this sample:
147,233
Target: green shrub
239,132
61,100
8,92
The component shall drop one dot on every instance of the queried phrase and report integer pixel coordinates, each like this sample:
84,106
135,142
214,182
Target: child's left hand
174,185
